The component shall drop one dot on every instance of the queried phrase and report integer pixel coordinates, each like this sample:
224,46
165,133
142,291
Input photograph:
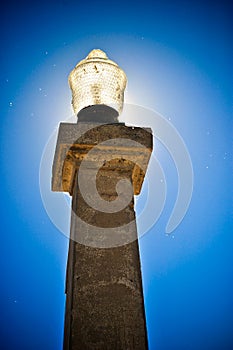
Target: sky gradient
178,59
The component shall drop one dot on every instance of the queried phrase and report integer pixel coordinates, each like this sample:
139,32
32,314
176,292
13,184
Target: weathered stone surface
104,303
104,290
76,140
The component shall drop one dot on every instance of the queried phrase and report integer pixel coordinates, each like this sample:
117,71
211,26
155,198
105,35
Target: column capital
127,150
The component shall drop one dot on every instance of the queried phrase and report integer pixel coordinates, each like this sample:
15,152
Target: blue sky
178,59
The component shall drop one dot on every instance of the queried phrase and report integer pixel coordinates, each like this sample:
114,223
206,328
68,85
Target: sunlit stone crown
97,80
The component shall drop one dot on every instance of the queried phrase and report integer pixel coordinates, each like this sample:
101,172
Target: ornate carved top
96,80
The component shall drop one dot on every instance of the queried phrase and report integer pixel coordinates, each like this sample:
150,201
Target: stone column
102,164
104,298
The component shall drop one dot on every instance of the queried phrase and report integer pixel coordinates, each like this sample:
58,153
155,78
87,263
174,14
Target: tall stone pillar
102,164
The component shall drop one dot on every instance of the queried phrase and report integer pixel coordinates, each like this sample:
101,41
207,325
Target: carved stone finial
96,80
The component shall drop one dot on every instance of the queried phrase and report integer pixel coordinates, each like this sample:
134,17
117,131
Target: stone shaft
104,307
